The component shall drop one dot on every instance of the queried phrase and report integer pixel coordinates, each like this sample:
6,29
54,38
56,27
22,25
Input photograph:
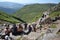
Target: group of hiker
16,30
19,29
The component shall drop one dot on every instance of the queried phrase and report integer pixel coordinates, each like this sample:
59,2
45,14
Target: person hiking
40,27
20,29
7,33
34,27
25,26
29,28
14,30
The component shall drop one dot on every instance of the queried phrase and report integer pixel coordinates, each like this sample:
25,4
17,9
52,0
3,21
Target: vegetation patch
54,14
7,18
53,26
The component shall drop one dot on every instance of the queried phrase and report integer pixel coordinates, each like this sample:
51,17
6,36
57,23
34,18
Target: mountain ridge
10,7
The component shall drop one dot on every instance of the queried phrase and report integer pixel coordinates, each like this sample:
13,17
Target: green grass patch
19,38
53,26
54,14
7,18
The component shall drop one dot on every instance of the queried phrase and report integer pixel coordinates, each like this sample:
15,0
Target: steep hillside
32,12
55,11
7,18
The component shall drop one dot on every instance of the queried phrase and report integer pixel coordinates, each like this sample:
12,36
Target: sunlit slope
32,12
7,18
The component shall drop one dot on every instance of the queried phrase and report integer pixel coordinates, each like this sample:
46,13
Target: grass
19,38
53,26
7,18
54,14
31,17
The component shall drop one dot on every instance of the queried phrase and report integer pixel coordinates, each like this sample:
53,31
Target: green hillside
32,12
54,14
55,11
7,18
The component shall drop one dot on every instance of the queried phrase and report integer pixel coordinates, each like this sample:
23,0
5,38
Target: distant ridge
10,7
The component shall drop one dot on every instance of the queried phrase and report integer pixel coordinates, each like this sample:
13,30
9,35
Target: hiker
40,27
20,29
28,30
34,27
7,33
25,26
25,29
14,30
43,16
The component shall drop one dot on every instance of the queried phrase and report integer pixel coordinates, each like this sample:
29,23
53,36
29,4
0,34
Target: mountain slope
7,18
10,7
55,11
32,12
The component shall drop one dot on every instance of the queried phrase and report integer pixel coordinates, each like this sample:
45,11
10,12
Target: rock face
32,36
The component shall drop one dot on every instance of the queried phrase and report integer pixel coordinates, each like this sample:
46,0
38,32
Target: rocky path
53,35
58,27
